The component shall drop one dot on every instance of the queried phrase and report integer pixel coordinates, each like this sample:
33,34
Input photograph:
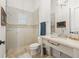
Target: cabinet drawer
62,48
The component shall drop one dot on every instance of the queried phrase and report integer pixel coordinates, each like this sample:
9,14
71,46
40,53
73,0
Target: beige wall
45,14
53,9
36,24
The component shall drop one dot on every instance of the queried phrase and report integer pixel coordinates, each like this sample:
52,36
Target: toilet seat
34,46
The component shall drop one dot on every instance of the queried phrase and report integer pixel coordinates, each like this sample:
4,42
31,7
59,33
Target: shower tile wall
20,28
11,38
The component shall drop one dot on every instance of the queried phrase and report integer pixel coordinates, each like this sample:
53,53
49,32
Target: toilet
35,48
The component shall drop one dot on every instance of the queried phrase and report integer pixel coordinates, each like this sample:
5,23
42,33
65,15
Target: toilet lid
35,45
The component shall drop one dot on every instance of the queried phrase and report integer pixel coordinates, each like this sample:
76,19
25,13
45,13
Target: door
2,42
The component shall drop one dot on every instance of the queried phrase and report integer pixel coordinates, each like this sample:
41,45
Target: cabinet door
76,53
56,53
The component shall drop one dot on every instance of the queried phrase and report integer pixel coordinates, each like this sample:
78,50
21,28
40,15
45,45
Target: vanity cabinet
62,50
66,50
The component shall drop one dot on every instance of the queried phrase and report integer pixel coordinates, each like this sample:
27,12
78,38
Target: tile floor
24,53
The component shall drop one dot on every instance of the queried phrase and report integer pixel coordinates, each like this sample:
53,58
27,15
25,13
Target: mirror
74,16
68,13
74,20
59,18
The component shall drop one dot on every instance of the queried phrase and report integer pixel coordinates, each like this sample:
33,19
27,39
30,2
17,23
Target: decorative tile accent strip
21,26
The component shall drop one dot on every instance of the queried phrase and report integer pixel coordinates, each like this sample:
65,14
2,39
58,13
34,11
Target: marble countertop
64,41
